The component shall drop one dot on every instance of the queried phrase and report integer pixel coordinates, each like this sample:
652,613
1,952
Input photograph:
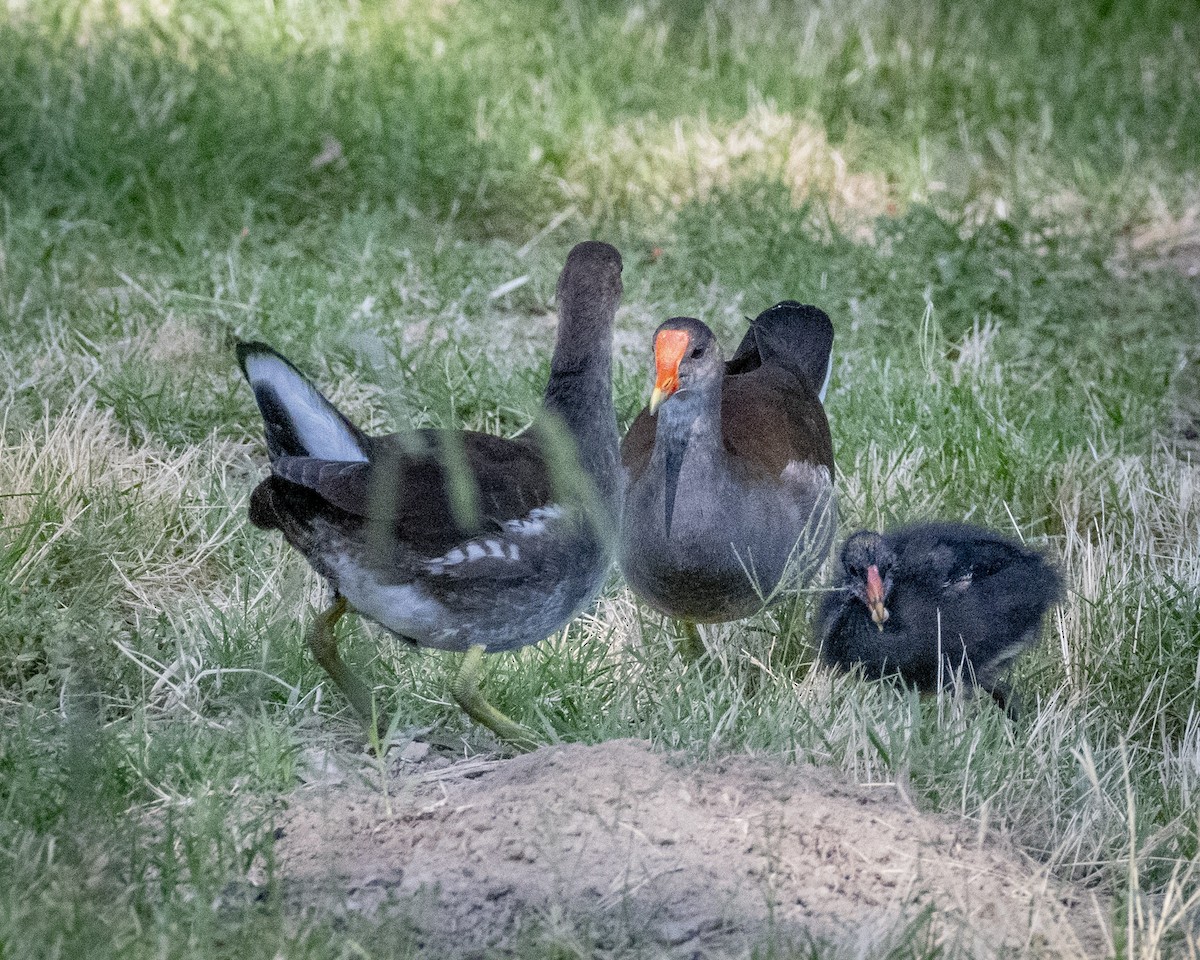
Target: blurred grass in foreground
355,182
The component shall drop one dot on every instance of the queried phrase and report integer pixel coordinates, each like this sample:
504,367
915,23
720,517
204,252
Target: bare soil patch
680,859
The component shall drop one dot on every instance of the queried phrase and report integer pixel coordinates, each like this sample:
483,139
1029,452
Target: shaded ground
687,861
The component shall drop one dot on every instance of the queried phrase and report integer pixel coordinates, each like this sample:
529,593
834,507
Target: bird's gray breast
731,541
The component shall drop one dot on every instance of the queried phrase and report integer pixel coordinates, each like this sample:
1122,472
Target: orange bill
670,346
879,613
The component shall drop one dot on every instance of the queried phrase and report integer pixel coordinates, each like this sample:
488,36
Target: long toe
466,692
322,641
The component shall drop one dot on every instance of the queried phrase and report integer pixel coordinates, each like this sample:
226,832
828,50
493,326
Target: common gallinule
454,540
936,601
730,495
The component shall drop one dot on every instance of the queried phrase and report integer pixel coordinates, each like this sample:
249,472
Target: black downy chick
900,598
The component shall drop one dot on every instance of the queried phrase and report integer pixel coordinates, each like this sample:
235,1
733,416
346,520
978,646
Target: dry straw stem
83,462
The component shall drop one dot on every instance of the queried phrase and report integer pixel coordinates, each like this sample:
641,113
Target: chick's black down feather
973,596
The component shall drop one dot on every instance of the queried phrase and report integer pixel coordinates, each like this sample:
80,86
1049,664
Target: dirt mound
690,860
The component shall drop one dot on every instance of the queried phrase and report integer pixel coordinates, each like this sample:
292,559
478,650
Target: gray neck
579,397
690,419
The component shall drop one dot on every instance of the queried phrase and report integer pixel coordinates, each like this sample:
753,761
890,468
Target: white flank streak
472,550
320,429
534,524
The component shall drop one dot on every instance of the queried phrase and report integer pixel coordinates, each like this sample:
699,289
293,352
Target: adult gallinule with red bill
730,498
454,540
935,602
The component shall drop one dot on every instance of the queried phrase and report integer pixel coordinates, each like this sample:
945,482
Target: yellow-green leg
322,641
466,691
690,646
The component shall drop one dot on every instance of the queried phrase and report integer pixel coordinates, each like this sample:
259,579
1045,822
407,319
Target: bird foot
690,646
467,694
322,641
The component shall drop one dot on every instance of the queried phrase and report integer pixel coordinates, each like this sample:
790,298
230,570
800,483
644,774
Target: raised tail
299,421
796,336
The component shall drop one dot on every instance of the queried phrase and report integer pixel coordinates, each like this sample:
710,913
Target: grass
359,184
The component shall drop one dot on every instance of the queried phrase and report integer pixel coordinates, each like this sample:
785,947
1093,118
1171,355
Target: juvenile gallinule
454,540
936,601
730,496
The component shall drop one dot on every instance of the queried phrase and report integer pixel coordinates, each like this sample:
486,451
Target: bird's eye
697,353
853,571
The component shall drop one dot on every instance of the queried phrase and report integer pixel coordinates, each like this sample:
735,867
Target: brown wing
769,419
638,444
432,489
